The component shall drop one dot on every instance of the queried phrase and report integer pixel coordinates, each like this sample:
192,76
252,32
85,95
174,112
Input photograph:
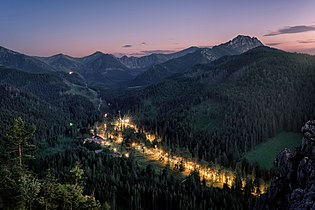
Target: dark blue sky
81,27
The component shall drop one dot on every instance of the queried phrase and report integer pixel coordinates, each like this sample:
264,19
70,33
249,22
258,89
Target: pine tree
17,142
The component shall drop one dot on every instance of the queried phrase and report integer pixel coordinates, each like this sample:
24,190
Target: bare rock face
283,164
294,185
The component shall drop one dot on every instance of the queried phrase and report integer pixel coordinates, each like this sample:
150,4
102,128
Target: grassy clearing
265,153
83,91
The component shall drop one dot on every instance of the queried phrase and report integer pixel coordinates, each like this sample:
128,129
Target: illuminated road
214,176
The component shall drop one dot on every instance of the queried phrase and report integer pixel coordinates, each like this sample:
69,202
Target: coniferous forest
157,105
215,112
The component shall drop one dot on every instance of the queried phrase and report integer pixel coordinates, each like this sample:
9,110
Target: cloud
274,43
310,51
127,45
157,51
309,41
144,43
292,30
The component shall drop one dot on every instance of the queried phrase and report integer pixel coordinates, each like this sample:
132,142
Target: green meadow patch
265,153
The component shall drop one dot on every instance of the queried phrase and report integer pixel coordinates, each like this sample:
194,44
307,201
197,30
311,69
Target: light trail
214,176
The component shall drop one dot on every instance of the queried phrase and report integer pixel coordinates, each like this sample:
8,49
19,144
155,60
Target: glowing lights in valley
215,176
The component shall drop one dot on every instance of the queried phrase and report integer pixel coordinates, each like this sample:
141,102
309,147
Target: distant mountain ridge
241,43
62,62
109,71
236,46
12,59
101,68
154,58
264,90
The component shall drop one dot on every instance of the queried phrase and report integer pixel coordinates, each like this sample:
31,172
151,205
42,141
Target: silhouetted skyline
78,27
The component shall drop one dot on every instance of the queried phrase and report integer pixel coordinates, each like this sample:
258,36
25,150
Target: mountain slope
62,62
47,100
17,103
11,59
96,69
48,87
182,64
145,62
105,69
222,109
108,71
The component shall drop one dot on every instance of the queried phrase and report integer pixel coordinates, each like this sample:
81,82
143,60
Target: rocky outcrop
294,185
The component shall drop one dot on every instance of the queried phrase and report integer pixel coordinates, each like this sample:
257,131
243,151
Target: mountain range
212,104
231,104
100,69
158,72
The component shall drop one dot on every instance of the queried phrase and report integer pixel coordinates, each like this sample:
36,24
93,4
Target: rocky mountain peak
242,40
293,187
243,43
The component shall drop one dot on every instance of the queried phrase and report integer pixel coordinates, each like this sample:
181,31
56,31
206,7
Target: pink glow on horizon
79,28
300,42
291,43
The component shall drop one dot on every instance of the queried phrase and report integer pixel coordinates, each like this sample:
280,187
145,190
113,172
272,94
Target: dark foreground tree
17,143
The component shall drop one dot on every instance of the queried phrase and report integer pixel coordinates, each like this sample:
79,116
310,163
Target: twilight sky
138,27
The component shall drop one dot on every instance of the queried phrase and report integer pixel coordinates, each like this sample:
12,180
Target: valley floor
215,175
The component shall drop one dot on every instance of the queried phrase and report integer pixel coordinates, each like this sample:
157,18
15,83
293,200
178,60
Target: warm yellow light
158,154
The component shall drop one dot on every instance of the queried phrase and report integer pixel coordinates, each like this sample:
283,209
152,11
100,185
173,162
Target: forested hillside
215,111
23,62
179,65
43,100
56,171
223,109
